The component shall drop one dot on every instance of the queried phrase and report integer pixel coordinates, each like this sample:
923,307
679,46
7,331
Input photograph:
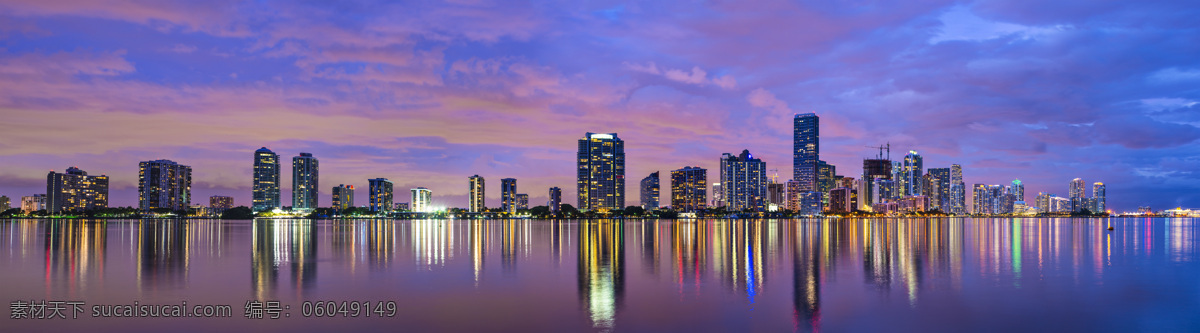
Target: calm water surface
951,274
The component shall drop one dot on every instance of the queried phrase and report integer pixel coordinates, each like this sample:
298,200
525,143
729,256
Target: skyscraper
475,194
688,189
958,191
826,175
793,195
555,200
910,179
5,203
717,200
164,184
304,181
806,150
343,197
380,191
878,168
421,200
75,191
601,172
508,195
980,201
1077,194
1098,195
744,181
266,180
1018,190
650,191
522,201
939,187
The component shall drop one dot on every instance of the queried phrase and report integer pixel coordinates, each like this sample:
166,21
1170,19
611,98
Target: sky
429,93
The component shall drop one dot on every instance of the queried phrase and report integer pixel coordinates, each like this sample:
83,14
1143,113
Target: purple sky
428,94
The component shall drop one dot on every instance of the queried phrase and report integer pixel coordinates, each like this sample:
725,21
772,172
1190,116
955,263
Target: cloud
960,24
696,76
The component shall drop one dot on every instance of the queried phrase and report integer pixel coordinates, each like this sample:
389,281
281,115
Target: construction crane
774,174
882,148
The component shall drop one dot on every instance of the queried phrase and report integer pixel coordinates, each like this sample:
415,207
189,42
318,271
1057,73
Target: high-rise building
873,169
220,203
717,193
555,200
806,145
841,200
508,195
266,180
1077,194
601,172
793,195
343,197
939,189
475,194
33,203
421,200
884,191
980,201
5,203
164,184
744,181
826,175
1018,189
381,195
810,203
522,201
650,191
688,189
75,191
1042,202
958,191
305,176
775,194
1098,196
911,172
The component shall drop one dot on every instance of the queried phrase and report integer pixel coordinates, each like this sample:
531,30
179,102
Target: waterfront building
886,208
1042,202
305,176
841,200
793,195
1060,204
913,204
744,181
381,195
958,191
475,194
873,169
5,203
555,200
508,195
981,201
422,199
884,190
717,199
522,201
601,172
688,190
826,176
806,145
343,197
1076,193
810,203
911,172
220,203
75,191
775,194
1018,189
1098,194
650,191
164,184
33,203
938,186
402,207
265,193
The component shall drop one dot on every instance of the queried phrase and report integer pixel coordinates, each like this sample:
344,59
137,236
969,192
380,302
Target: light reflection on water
802,275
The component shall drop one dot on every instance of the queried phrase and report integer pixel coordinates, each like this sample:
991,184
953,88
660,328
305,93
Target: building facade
164,184
744,181
522,201
305,181
1098,195
958,191
33,203
910,174
475,194
1077,193
508,195
422,198
220,203
265,192
75,191
806,145
555,200
650,191
600,177
688,189
343,197
381,195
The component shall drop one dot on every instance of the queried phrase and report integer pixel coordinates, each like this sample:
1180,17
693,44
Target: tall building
601,172
5,203
878,168
1042,202
744,181
75,191
343,197
910,177
810,203
555,200
33,203
650,191
508,195
1077,194
381,195
688,189
958,191
421,200
522,201
1018,189
775,194
806,146
794,195
826,175
164,184
305,176
220,203
980,201
1098,195
266,180
717,193
841,200
884,190
939,189
475,194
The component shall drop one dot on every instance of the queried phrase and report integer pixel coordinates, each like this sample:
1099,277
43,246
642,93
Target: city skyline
431,103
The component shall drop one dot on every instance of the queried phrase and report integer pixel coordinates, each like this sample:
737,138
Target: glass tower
475,194
600,177
688,189
806,150
650,191
266,180
744,181
508,194
304,181
164,184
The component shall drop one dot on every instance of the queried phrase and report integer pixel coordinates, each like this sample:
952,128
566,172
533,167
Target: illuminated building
1060,204
305,176
164,184
1076,193
958,191
380,191
810,203
508,195
884,190
1098,196
75,191
910,174
806,145
5,203
421,199
601,172
1018,190
343,197
266,180
688,189
744,181
649,187
939,189
913,203
793,195
840,200
981,201
475,194
401,207
220,203
826,175
522,201
775,194
873,169
1042,202
555,200
717,199
33,203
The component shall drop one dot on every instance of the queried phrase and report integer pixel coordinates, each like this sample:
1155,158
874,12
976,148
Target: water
949,274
